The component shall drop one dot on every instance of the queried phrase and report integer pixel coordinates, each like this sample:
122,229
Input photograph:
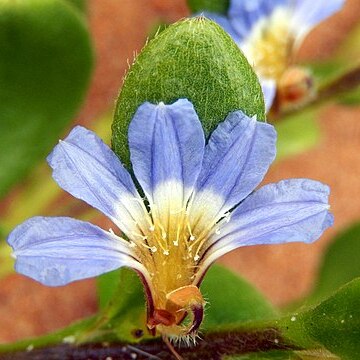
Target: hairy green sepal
193,59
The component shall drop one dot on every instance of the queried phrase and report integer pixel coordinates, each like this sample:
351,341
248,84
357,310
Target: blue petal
166,146
291,210
269,90
236,159
309,13
87,168
57,251
224,22
245,14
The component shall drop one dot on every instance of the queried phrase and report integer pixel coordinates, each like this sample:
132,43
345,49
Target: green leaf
344,61
122,301
270,355
286,355
193,59
232,299
319,354
6,261
334,324
348,53
340,264
297,132
350,98
45,65
63,336
216,6
80,4
107,285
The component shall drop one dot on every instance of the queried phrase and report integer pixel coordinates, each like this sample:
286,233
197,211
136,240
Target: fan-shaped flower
200,204
269,32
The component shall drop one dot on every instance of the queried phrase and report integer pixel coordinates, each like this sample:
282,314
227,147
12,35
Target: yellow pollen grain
170,248
270,46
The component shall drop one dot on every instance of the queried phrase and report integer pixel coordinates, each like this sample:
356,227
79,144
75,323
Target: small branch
349,81
338,87
212,347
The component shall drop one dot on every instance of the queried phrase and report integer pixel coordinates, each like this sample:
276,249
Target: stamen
153,249
140,201
163,232
174,212
192,237
227,217
141,236
146,212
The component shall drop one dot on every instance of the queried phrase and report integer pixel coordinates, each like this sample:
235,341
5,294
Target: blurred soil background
284,273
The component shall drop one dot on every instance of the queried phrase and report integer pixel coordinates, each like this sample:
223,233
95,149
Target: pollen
171,245
270,45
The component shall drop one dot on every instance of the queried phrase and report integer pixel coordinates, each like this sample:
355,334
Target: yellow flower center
270,45
172,239
170,259
171,244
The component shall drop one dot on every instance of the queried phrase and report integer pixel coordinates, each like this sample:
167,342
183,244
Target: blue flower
269,31
200,204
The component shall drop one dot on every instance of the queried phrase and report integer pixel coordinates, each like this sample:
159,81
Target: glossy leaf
45,65
216,6
348,53
333,325
6,261
340,264
297,132
350,98
80,4
63,336
193,59
123,307
270,355
286,355
232,299
345,59
107,285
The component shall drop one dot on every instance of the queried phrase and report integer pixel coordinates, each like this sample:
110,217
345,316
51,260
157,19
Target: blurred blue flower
269,31
200,204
